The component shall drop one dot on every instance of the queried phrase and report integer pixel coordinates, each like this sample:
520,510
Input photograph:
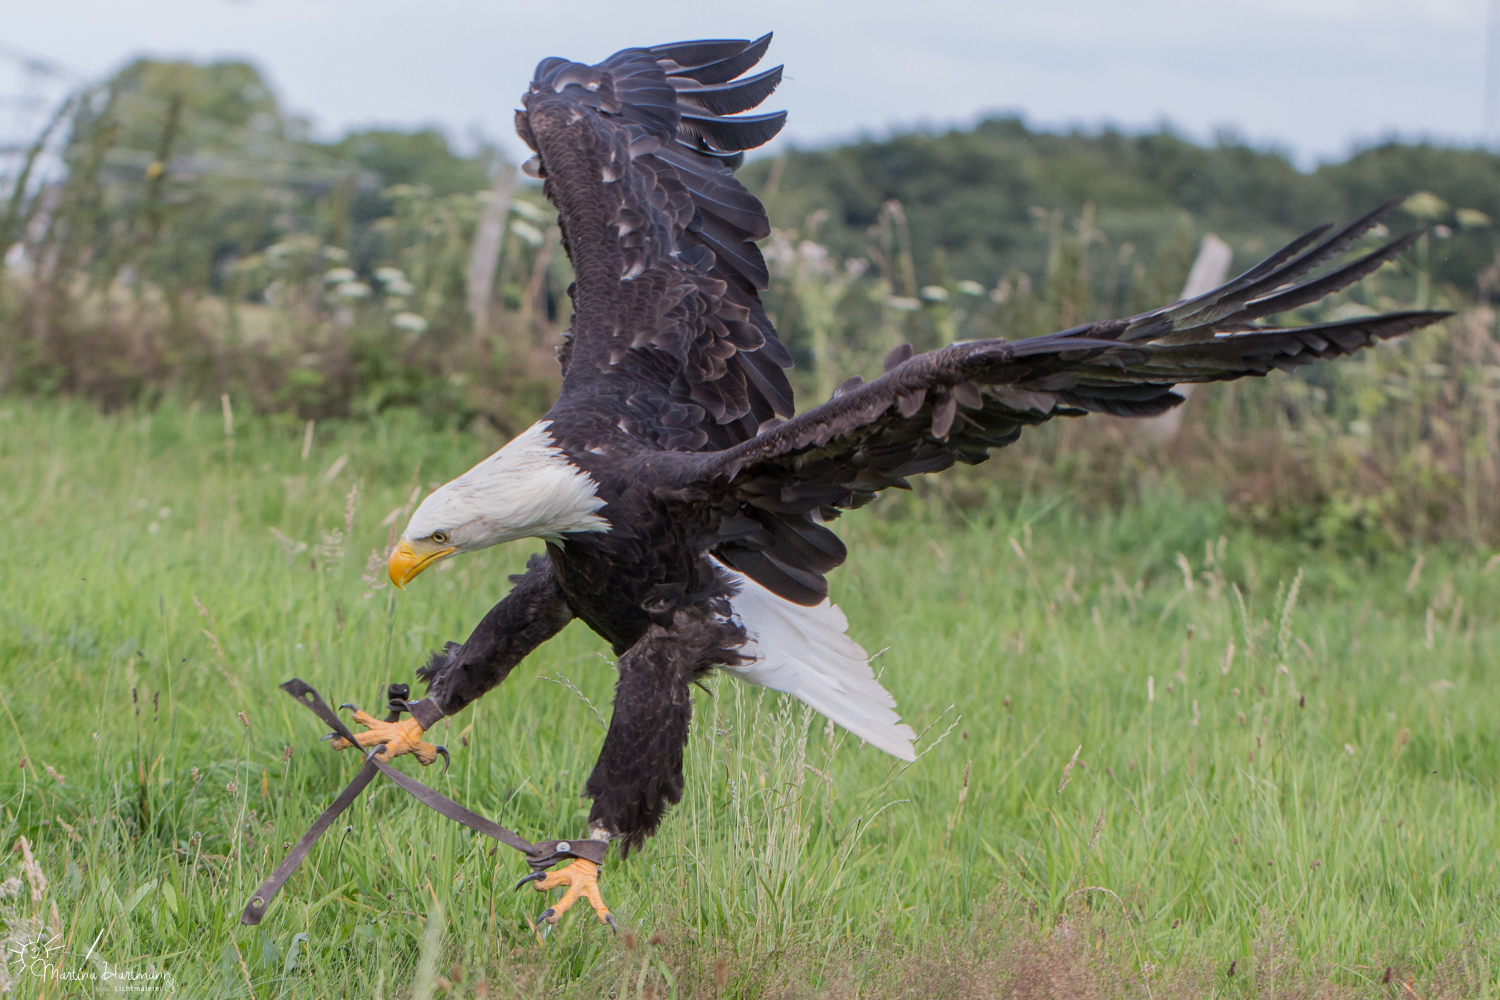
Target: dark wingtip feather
1333,281
1330,247
713,62
729,98
1256,351
1395,324
701,51
1192,318
734,134
1153,405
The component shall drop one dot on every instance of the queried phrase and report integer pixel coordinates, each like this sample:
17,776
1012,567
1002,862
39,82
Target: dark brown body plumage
675,400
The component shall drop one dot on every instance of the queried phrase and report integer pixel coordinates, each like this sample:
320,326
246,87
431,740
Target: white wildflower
812,252
1472,218
528,210
531,234
1425,205
394,281
409,321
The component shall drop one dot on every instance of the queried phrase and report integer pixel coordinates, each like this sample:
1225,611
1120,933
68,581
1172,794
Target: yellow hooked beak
408,560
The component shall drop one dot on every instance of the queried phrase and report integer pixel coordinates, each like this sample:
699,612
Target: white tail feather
805,653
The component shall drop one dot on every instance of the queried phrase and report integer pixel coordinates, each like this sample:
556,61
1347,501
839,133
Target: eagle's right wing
638,155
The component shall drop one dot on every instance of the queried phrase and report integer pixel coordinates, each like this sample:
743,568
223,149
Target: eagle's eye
441,537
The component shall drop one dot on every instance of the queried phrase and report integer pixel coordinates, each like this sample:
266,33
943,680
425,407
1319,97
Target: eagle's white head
528,489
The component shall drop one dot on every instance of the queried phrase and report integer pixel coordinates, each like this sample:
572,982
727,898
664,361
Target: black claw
444,751
609,918
533,877
330,736
349,705
547,915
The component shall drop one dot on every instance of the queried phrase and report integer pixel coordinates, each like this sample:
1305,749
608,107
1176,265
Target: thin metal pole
1491,73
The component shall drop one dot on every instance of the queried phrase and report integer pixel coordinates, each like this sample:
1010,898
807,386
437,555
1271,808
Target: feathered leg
534,611
639,772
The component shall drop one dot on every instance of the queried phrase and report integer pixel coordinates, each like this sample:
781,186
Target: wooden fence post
480,278
1209,271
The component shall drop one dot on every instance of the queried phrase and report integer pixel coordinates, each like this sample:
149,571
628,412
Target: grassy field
1161,756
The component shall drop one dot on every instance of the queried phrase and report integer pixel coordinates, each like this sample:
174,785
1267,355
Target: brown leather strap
426,712
539,856
434,799
256,908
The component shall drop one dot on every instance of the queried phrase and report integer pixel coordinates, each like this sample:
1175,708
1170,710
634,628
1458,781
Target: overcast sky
1313,76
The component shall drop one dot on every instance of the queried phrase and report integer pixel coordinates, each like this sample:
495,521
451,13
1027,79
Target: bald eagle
683,503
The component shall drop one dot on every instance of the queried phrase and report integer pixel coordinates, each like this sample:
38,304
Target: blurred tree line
192,236
972,197
185,176
209,152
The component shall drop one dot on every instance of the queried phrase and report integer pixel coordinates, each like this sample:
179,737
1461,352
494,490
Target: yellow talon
582,879
399,738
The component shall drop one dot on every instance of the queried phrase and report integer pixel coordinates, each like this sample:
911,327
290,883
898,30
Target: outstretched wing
955,404
638,154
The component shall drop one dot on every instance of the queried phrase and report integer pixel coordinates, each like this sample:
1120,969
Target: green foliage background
974,194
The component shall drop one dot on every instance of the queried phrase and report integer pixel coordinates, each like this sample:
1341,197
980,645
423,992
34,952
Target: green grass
1313,825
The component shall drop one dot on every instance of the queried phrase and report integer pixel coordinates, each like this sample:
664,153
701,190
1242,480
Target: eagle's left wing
638,155
955,404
